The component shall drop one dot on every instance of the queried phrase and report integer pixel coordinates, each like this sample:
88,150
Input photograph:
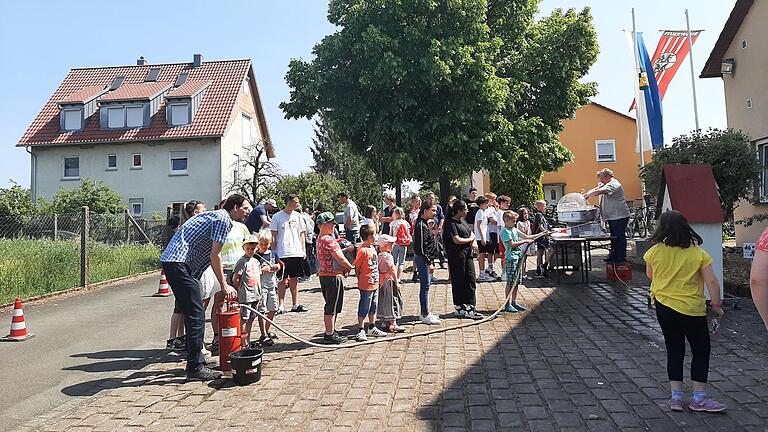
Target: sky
40,41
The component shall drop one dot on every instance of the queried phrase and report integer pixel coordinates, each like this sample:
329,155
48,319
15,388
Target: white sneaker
280,310
503,276
430,319
375,332
460,313
361,337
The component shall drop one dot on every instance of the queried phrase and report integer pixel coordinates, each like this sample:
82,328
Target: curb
79,289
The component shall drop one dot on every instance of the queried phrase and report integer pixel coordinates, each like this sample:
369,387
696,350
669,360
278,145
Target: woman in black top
460,244
424,252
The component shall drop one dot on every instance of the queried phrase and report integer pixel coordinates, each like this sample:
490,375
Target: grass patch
30,268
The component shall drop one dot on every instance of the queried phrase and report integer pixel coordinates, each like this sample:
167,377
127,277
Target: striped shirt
192,242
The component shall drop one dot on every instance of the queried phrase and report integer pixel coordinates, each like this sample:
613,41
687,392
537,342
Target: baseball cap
251,239
271,202
386,238
324,218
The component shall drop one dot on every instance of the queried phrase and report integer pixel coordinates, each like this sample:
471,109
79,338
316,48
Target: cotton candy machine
579,216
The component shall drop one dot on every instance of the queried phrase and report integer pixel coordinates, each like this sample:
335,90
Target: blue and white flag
648,108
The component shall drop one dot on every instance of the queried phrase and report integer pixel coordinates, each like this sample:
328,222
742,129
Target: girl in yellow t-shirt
678,268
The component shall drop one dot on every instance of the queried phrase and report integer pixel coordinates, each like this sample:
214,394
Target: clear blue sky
36,53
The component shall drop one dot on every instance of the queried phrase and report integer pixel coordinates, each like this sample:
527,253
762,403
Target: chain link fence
47,253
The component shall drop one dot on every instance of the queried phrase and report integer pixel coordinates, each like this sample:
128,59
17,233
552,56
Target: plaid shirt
192,242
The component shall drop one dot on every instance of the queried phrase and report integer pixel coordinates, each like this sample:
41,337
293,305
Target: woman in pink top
758,279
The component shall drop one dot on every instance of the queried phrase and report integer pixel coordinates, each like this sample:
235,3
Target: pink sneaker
676,404
707,405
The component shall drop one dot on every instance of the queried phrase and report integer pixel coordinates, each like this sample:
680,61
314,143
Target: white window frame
79,118
136,202
111,168
597,150
247,86
133,161
110,110
64,168
243,118
186,113
141,116
180,154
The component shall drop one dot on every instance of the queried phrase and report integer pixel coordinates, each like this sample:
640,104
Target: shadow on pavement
135,379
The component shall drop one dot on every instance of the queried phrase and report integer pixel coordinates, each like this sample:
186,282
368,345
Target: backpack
403,236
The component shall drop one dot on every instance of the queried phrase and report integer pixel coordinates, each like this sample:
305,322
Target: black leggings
677,328
461,266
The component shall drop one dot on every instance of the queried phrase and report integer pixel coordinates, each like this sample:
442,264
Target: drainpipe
33,176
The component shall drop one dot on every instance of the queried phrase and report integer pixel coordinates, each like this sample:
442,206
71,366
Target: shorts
542,243
510,266
398,253
333,293
268,301
294,267
245,313
208,283
491,246
368,302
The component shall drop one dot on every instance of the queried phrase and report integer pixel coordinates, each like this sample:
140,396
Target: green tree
98,196
16,201
730,152
522,188
316,191
337,159
447,88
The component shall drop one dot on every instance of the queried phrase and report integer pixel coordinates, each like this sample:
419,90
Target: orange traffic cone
164,290
18,325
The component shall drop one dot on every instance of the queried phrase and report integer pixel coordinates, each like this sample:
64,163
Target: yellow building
599,137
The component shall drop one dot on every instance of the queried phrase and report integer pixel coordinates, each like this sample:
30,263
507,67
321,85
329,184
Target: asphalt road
80,342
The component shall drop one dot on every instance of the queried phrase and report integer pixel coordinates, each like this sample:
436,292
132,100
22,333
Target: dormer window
72,119
179,114
182,102
131,105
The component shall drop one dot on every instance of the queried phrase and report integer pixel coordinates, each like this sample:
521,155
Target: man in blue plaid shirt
194,247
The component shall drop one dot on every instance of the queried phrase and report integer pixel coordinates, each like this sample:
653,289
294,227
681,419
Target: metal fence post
55,226
127,226
84,231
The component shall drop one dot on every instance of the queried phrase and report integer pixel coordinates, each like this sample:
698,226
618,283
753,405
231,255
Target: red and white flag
669,55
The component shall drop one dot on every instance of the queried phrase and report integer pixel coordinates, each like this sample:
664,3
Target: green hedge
30,268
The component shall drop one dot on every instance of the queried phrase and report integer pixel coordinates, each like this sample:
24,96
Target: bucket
620,271
246,365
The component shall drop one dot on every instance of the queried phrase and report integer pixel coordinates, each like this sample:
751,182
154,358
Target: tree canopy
97,195
734,165
447,87
316,191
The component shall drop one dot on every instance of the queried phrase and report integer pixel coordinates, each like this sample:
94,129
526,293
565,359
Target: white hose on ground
401,335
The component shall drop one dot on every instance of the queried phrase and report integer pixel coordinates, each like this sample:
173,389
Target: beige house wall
749,81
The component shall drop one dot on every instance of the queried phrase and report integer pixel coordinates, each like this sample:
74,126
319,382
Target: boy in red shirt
367,271
333,267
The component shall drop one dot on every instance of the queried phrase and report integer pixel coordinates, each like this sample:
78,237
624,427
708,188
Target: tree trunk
445,188
398,193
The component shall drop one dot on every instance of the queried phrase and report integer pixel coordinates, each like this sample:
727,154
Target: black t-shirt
539,223
386,212
472,209
253,222
456,228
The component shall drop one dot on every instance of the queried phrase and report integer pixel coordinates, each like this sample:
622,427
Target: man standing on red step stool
194,247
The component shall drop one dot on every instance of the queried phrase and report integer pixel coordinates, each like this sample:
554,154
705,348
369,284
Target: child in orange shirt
367,271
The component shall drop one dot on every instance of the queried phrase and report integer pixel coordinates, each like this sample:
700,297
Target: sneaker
493,274
179,344
204,374
460,313
484,277
265,341
375,332
334,338
280,310
675,404
205,352
511,309
475,315
415,277
361,337
169,344
273,335
430,320
520,307
503,277
707,405
299,308
214,347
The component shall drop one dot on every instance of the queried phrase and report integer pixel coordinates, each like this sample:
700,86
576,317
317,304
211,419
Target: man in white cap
259,217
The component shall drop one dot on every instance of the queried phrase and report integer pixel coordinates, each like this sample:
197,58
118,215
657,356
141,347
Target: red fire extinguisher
229,337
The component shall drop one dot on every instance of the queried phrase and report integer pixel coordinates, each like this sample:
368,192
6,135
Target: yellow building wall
591,123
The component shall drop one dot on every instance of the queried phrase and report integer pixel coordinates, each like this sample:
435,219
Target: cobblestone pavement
582,358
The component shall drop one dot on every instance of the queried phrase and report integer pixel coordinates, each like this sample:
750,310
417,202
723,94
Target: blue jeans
618,229
425,278
368,302
186,291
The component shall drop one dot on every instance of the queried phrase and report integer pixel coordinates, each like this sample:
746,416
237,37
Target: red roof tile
188,89
84,95
143,91
211,120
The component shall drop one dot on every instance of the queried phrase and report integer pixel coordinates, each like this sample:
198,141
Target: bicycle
637,223
650,220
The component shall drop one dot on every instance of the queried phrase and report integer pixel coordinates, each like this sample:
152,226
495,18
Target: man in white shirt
351,218
483,239
289,234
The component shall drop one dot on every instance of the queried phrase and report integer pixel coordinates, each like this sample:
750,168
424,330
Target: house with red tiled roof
158,134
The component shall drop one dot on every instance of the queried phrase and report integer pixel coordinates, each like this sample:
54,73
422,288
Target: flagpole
693,76
637,103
